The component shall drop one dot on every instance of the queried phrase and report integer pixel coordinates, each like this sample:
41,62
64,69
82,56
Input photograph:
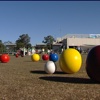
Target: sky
39,19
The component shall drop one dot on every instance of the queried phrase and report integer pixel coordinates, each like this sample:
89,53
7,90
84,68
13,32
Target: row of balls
50,66
70,61
52,57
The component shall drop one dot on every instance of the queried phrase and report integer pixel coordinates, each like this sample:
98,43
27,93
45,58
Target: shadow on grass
69,80
59,72
43,72
38,72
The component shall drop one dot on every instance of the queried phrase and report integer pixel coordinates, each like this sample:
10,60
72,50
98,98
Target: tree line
24,41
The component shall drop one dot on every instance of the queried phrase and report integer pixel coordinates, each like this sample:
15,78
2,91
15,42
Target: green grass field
22,79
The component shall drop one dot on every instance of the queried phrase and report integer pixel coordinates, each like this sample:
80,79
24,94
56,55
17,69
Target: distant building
79,41
40,46
84,41
10,47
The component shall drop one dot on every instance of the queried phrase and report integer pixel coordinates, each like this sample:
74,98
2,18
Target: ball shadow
59,72
43,72
38,72
69,80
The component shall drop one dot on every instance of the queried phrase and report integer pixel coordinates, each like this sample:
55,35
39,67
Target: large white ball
50,67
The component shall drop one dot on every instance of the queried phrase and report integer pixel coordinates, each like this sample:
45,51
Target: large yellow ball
35,57
70,61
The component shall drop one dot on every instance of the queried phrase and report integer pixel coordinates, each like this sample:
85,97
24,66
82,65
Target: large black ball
93,63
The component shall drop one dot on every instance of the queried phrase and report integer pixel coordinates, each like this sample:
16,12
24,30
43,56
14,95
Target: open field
22,79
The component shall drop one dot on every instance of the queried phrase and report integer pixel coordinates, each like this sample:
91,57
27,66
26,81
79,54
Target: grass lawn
22,79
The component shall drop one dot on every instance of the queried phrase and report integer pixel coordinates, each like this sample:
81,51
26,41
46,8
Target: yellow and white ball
70,61
50,67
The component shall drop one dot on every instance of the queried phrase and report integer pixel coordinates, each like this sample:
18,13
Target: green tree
23,41
49,41
29,45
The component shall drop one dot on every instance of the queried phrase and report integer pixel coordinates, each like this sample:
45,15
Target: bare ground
22,79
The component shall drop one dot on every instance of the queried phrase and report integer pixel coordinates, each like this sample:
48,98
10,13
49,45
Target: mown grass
22,79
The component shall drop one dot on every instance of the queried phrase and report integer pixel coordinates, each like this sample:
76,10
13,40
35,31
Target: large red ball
93,63
45,57
5,58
